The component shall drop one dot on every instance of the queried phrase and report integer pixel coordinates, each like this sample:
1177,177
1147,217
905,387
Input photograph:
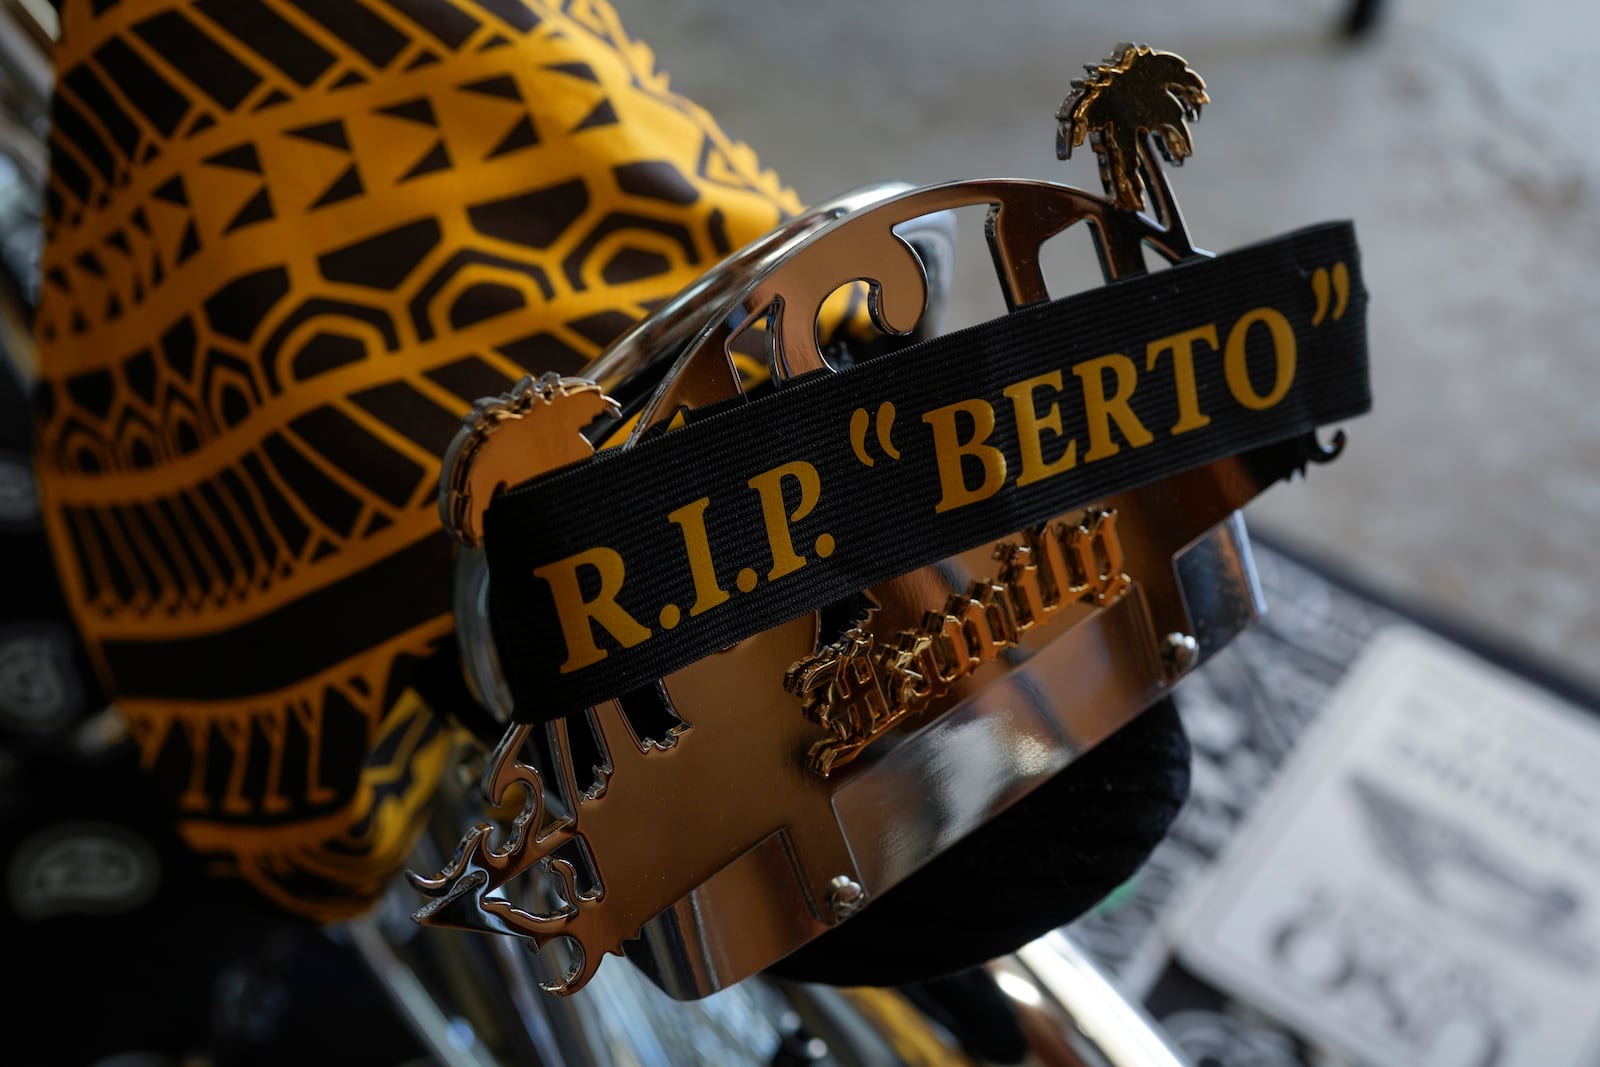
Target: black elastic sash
606,520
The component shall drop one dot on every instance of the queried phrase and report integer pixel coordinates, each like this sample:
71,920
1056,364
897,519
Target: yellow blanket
288,243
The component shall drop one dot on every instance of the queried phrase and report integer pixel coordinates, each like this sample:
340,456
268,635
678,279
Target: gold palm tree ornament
1138,93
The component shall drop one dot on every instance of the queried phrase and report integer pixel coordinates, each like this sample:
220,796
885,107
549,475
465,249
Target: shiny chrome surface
1220,589
415,1002
1019,724
708,844
1072,1014
480,660
663,335
993,748
910,255
476,1000
752,880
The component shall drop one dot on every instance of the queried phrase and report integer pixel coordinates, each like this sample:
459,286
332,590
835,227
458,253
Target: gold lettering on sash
691,519
770,485
948,450
579,616
1030,427
1181,345
1237,371
1049,568
1101,410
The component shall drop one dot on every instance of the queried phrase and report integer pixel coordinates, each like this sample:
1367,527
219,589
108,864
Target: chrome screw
845,897
1180,651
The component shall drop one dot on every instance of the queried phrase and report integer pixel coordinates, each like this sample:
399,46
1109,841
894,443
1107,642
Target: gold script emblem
857,688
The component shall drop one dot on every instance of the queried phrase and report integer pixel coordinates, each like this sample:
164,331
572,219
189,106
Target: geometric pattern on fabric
288,244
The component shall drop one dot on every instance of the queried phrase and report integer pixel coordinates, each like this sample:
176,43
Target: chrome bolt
1180,651
845,897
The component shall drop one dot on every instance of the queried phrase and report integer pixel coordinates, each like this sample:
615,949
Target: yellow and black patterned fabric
288,243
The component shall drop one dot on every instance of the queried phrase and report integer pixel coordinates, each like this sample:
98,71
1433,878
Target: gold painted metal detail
1137,92
537,426
858,689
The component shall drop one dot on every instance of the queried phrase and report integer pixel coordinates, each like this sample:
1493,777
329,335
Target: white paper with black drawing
1421,884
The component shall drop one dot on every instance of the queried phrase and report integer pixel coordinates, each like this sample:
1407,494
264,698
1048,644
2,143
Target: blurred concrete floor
1459,137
